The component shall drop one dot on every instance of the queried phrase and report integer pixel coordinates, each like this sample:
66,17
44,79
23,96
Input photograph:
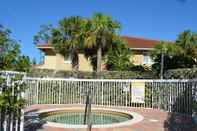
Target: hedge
182,73
91,75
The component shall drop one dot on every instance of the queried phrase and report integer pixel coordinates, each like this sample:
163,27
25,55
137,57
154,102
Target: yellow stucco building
139,47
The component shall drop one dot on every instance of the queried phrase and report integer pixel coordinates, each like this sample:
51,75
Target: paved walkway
154,120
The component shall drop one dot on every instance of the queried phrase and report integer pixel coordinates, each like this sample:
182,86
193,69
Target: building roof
44,45
140,43
134,43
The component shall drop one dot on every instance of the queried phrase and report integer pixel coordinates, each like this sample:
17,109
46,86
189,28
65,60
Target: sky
153,19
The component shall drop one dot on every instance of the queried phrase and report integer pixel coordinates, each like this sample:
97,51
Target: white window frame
147,59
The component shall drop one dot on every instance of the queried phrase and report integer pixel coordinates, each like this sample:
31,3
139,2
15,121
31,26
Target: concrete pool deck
154,120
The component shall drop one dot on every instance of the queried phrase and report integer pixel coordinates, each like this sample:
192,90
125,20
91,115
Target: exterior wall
49,62
61,65
54,61
57,62
84,64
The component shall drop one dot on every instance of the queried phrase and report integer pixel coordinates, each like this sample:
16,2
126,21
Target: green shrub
91,75
182,73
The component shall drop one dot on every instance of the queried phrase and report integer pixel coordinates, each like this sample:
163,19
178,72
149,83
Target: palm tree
164,55
118,57
100,36
67,39
188,41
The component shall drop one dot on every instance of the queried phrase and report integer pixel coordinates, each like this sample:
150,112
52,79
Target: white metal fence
169,95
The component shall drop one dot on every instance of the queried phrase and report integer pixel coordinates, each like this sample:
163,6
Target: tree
187,40
23,63
44,35
34,61
118,57
10,56
163,55
100,36
180,54
11,59
67,39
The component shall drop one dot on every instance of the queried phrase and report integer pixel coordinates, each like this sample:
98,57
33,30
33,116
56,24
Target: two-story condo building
139,47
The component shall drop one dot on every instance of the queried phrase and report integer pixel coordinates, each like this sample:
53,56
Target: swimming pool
100,117
77,117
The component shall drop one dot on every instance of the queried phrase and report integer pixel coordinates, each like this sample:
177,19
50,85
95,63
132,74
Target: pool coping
136,118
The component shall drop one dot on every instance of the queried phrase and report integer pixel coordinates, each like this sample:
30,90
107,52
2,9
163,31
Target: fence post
37,98
12,114
126,99
5,124
59,95
102,92
194,100
22,120
22,111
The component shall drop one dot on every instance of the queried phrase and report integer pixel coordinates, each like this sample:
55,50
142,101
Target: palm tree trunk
99,57
75,67
75,64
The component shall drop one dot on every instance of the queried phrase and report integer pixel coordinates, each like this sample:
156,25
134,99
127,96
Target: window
147,59
67,60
